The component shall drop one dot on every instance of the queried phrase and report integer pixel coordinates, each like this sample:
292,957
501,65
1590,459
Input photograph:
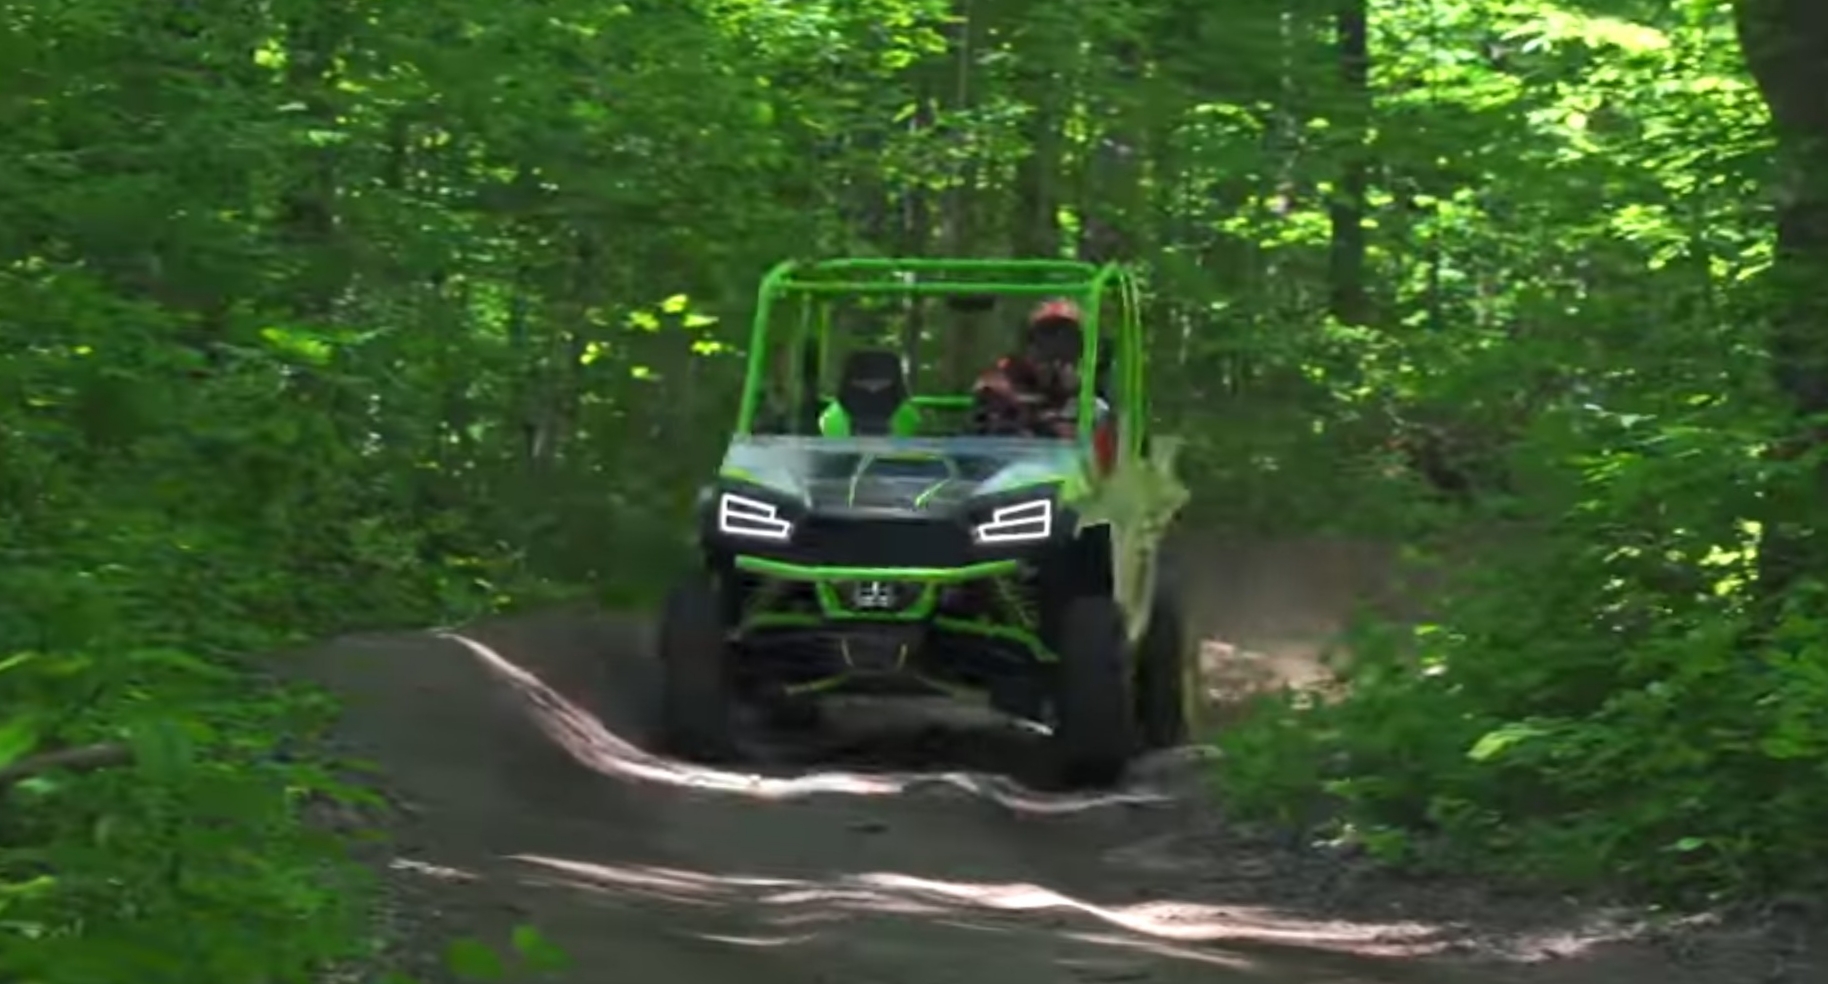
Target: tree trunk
1786,48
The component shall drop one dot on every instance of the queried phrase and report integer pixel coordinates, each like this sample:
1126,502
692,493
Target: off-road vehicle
862,537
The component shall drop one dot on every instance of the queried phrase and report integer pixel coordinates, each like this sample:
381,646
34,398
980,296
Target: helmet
1055,311
1053,343
1054,332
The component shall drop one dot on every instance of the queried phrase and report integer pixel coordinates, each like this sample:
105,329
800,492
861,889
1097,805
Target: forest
328,315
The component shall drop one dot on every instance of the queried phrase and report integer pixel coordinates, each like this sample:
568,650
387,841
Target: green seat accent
834,422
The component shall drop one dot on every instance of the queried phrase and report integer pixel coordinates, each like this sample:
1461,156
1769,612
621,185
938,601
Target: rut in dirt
520,751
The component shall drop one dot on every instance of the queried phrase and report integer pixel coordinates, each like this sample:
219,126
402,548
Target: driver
1035,391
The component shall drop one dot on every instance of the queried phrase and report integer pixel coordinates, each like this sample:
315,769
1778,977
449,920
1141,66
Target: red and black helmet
1054,330
1056,311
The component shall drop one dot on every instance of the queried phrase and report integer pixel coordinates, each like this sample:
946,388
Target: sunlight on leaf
299,344
1496,742
18,736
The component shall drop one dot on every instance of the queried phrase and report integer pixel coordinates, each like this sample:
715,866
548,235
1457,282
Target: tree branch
83,758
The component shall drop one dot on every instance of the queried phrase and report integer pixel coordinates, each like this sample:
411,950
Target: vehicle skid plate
878,652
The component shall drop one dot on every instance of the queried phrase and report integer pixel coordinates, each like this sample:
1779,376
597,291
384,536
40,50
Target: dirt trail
517,749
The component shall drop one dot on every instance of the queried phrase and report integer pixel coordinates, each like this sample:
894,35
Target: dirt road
518,751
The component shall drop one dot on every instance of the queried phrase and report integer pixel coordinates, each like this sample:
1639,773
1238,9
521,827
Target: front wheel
1094,727
695,684
1163,667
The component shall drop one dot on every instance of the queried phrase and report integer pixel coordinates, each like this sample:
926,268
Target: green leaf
18,736
180,661
162,749
474,960
539,952
1495,742
14,891
299,344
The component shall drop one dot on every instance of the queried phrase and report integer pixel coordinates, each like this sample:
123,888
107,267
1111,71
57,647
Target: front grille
845,542
879,597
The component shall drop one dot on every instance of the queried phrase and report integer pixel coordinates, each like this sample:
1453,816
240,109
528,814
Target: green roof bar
903,275
890,276
758,342
919,289
911,263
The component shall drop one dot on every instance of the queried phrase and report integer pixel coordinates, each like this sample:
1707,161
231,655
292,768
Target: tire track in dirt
534,802
518,747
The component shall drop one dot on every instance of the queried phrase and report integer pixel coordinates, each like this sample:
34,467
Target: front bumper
825,543
784,570
932,652
782,595
990,601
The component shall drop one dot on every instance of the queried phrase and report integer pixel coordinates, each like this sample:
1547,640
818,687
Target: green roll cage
811,287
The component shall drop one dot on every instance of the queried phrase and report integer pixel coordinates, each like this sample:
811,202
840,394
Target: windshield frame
815,284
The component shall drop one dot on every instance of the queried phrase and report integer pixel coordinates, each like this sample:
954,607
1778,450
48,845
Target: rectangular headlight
739,515
1019,523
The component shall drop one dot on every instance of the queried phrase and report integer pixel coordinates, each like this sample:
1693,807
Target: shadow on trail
590,743
535,799
522,747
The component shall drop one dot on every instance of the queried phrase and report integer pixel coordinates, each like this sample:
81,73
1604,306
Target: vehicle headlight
739,515
1019,523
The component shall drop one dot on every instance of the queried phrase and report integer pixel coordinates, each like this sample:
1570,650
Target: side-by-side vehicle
861,535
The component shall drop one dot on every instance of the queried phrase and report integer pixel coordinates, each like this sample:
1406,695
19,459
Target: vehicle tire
695,685
1164,664
1094,723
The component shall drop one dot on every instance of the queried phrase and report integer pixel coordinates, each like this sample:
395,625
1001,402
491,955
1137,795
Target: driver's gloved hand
1002,418
991,423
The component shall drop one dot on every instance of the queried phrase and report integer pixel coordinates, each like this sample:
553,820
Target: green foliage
1602,697
189,861
476,961
1610,690
323,316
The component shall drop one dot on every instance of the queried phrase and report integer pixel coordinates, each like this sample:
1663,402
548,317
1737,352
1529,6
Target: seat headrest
871,389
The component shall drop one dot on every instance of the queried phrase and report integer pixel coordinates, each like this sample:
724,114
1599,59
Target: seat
872,397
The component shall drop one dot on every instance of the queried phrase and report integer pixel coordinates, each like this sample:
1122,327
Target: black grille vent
862,542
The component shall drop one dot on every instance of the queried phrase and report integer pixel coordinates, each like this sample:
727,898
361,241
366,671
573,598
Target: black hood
890,474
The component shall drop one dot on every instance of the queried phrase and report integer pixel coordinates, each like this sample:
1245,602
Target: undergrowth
1602,698
155,785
